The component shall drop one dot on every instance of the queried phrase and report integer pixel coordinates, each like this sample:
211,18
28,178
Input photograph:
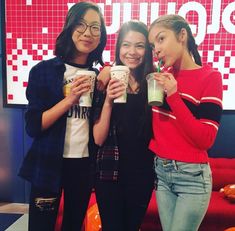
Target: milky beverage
155,91
122,73
86,98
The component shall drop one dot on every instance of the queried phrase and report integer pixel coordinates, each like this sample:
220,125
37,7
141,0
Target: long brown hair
140,73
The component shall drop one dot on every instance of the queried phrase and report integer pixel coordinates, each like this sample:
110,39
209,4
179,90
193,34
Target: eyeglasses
95,28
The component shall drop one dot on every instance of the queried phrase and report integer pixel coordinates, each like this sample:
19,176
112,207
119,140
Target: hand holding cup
81,87
121,73
115,89
167,82
76,88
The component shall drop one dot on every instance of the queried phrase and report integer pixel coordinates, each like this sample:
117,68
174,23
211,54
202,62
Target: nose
156,52
87,32
132,50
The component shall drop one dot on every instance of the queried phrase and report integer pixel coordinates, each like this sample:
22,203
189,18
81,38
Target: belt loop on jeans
175,164
165,161
155,161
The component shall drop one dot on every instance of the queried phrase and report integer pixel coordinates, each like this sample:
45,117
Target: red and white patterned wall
33,25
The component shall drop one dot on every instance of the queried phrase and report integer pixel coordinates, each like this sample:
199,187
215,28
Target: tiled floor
13,217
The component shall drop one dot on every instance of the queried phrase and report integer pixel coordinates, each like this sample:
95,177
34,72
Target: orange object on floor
60,214
230,229
92,219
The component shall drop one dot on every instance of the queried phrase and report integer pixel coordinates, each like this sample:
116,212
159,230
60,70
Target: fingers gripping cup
86,98
120,72
155,91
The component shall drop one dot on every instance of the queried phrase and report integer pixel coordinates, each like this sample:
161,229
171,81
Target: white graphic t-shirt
77,127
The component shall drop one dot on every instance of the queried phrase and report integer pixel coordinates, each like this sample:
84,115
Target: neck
133,85
80,59
185,63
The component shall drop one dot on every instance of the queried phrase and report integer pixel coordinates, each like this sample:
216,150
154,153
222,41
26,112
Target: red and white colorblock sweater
186,125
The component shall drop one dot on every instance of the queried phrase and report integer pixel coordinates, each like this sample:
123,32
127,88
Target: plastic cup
121,73
155,91
86,98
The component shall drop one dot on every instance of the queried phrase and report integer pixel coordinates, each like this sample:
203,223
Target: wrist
108,102
106,64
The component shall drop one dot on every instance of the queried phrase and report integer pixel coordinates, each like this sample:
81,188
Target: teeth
131,59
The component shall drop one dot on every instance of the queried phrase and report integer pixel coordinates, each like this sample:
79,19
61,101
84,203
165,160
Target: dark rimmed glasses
95,28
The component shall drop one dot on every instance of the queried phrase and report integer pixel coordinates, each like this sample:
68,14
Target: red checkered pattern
32,27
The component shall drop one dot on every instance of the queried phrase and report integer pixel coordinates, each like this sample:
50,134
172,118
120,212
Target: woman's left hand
103,78
167,81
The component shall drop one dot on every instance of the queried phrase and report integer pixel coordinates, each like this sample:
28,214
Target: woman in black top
125,174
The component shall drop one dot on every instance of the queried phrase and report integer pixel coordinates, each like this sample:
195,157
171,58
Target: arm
103,78
78,87
46,105
101,127
201,131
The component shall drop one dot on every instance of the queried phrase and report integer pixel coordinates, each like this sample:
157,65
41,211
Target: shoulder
56,61
48,66
210,72
206,75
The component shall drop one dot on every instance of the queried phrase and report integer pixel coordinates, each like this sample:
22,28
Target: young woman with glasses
60,157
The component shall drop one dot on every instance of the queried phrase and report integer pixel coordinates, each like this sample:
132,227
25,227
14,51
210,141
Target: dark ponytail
192,47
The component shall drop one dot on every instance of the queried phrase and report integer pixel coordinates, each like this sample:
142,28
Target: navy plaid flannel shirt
43,163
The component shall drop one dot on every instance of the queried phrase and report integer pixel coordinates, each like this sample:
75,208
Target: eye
142,46
125,44
160,39
81,26
95,27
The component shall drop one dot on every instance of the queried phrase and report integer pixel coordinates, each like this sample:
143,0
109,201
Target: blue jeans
183,193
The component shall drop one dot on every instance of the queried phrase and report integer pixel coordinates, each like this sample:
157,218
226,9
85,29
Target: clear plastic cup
155,91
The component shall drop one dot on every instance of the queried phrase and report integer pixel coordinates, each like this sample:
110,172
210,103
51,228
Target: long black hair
147,66
139,73
176,23
65,48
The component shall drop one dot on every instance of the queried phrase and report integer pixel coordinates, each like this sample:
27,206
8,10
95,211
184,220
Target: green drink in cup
155,91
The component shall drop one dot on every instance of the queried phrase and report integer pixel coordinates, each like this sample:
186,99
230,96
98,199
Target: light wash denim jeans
183,193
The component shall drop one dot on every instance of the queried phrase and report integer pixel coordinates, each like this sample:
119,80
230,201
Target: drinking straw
159,66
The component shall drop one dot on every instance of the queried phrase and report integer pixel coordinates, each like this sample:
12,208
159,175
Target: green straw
159,66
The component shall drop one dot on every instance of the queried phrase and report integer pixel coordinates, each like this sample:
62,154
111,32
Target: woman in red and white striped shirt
185,126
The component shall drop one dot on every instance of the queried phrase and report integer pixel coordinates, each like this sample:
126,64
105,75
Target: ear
183,35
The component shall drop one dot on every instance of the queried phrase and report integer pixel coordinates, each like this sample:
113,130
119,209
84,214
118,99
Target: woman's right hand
115,89
79,86
167,81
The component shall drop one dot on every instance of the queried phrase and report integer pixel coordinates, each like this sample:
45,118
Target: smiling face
85,42
132,49
166,45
